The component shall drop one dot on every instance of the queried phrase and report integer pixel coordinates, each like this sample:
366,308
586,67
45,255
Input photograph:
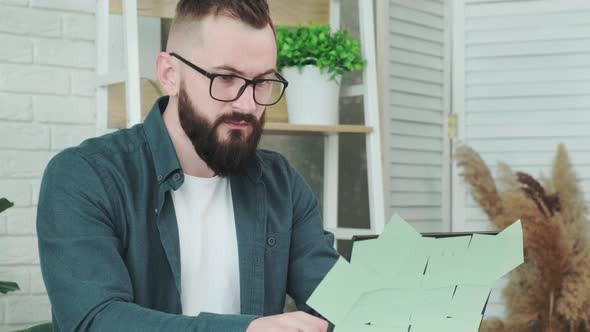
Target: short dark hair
252,12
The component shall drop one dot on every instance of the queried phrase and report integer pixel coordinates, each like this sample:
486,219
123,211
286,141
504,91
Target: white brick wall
47,62
2,229
34,79
16,49
37,285
57,109
79,27
84,6
16,107
78,54
24,309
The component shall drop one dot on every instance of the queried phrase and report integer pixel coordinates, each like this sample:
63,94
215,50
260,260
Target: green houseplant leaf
46,327
5,204
336,52
7,286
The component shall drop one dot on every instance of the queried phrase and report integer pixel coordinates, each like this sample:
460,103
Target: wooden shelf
276,115
288,128
283,12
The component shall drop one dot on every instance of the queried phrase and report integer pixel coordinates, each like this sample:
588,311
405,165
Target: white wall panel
415,115
524,87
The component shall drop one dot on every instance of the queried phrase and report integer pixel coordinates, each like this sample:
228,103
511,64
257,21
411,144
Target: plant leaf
46,327
337,52
5,204
7,286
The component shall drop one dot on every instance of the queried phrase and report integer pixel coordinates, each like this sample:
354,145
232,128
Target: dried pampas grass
477,174
551,291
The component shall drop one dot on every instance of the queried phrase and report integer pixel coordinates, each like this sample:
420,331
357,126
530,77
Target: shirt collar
163,152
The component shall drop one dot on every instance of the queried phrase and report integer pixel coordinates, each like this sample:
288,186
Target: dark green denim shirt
108,237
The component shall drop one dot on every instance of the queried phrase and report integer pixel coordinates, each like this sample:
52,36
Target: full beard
227,157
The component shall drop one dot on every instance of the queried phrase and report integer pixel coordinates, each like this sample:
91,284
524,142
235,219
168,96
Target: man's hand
297,321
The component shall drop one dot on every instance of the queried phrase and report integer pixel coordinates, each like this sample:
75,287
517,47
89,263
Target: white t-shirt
210,276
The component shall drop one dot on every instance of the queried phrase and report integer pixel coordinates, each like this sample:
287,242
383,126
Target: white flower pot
312,98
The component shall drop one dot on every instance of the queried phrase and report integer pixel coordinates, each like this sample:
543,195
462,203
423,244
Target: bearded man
181,223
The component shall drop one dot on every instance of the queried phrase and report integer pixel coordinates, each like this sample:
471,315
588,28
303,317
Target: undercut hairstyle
255,13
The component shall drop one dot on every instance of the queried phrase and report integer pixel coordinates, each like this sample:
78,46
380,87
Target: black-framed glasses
228,87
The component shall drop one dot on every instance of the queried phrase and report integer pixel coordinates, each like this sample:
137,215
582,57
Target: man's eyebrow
239,72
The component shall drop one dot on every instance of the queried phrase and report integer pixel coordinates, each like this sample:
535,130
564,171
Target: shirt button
176,177
159,178
156,210
271,241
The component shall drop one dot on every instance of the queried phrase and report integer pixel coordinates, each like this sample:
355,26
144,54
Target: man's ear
167,74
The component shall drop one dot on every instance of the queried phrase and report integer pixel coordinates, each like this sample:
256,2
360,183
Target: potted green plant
9,286
313,59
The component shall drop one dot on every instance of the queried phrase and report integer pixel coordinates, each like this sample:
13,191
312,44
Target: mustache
236,117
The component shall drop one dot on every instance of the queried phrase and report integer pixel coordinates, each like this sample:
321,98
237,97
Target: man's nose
246,101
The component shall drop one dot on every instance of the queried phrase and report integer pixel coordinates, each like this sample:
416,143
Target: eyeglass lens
229,87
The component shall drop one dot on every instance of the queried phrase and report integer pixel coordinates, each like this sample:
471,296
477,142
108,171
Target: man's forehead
230,44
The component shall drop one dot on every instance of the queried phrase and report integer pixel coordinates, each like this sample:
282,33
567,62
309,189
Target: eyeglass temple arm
282,78
190,64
